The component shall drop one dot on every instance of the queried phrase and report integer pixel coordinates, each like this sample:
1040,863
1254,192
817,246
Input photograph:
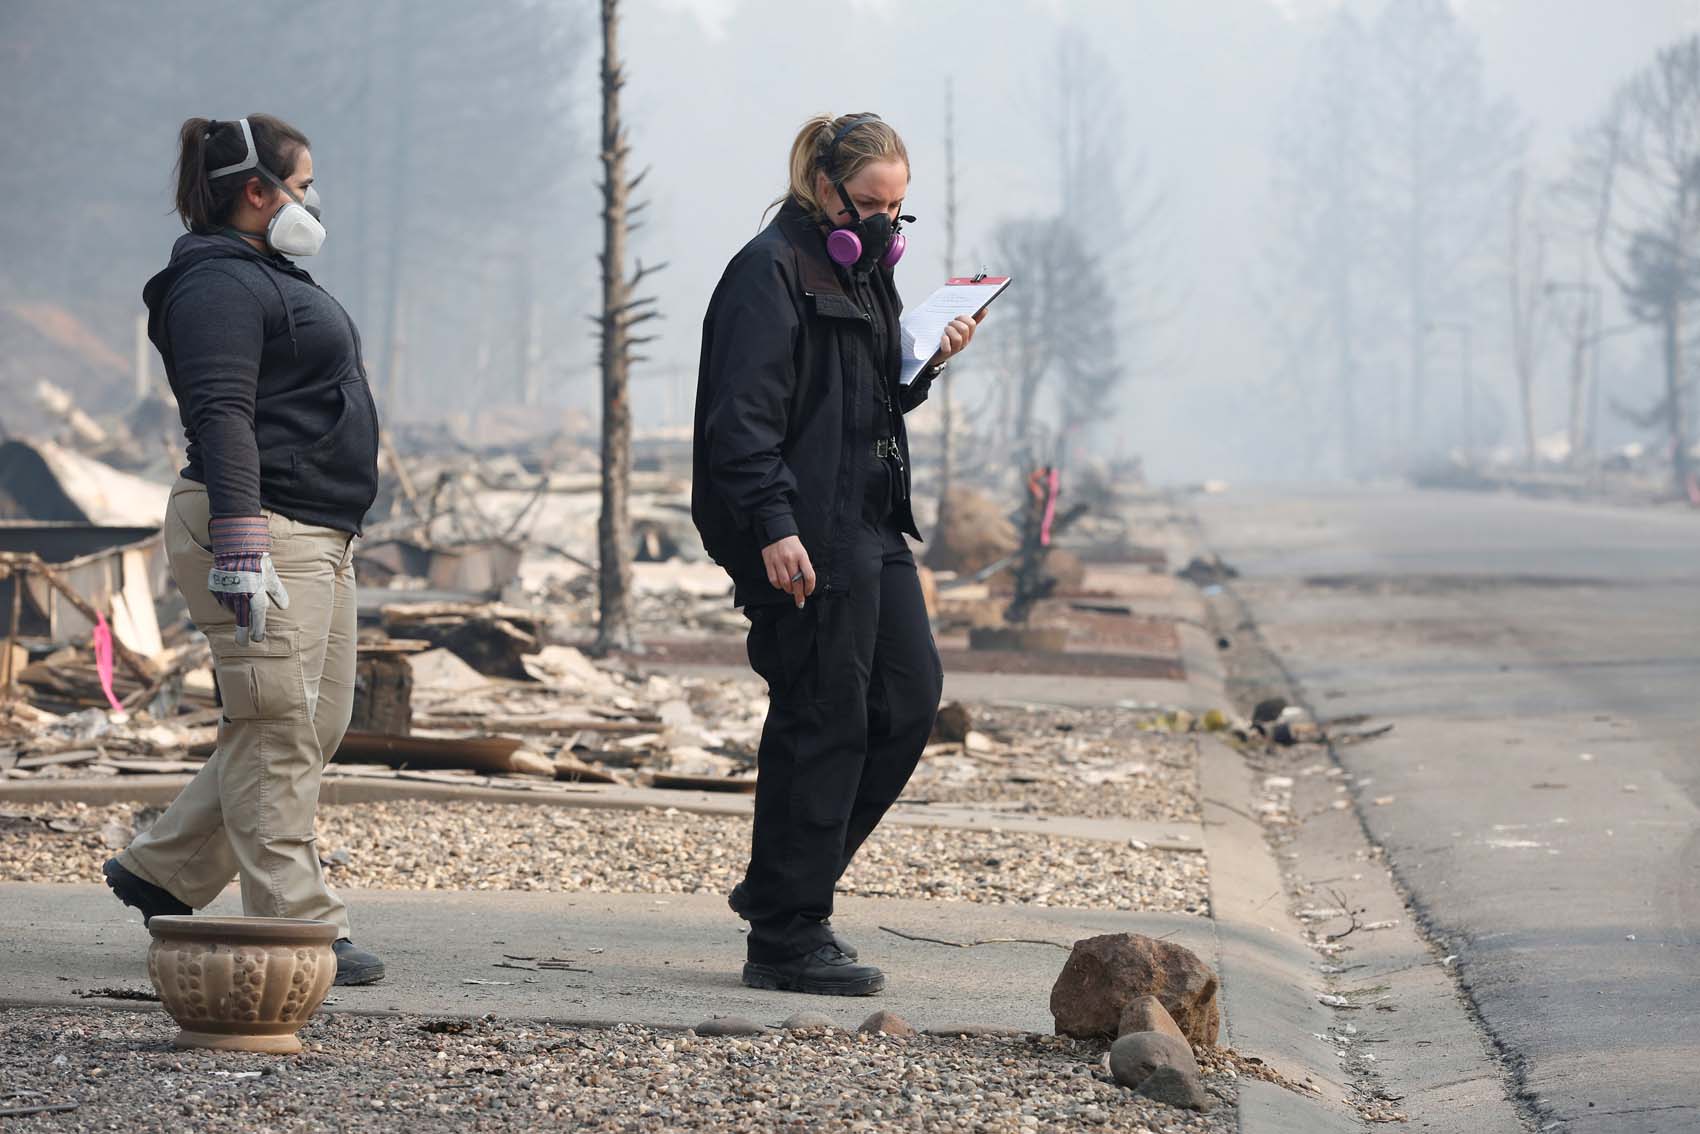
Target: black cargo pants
854,682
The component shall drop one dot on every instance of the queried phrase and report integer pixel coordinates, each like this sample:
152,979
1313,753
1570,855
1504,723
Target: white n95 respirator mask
295,229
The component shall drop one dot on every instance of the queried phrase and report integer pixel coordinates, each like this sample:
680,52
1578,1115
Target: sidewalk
667,962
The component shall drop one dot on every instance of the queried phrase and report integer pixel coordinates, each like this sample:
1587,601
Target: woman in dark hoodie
281,468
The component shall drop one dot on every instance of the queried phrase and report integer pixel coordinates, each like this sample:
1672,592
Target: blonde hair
870,140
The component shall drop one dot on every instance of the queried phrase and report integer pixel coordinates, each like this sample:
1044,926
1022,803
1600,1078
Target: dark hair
205,143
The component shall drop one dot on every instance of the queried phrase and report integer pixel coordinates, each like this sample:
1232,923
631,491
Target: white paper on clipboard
923,326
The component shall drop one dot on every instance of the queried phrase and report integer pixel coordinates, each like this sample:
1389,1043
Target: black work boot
132,890
355,965
824,972
736,901
844,946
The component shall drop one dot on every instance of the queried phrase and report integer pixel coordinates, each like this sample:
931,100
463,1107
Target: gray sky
500,170
718,89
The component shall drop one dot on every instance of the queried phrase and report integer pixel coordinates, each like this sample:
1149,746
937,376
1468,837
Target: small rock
953,723
1135,1056
888,1024
115,835
1147,1014
976,1030
342,856
807,1022
1174,1087
729,1026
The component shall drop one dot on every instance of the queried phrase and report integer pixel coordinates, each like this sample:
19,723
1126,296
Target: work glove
242,578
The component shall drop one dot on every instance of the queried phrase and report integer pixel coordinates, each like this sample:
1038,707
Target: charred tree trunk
620,314
613,529
1677,419
1578,379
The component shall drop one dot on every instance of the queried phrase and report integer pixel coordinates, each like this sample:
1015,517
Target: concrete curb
1200,657
1432,1057
1269,979
1202,661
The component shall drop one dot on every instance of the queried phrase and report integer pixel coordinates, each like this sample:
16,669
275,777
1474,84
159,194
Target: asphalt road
1540,794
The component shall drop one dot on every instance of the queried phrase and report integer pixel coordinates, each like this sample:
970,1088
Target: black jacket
782,433
269,381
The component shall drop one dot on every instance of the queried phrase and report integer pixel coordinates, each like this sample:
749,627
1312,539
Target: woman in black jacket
801,491
281,468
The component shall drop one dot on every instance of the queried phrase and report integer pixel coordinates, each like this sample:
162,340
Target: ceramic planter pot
241,983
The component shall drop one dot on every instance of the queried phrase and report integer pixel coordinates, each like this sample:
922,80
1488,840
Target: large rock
1147,1014
1174,1087
1136,1055
1104,975
977,534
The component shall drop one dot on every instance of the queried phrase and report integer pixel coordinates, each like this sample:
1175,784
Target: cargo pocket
782,650
261,681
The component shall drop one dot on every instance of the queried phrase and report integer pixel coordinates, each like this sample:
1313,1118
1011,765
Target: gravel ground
1098,762
418,845
374,1074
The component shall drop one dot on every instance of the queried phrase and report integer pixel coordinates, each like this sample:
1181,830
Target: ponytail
865,144
194,195
208,143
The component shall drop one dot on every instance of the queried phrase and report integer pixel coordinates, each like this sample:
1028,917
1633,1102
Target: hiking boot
844,946
736,901
355,965
824,972
132,890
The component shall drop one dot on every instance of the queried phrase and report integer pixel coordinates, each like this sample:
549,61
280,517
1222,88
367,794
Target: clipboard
964,295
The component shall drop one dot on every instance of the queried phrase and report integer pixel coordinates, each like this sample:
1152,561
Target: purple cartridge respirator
874,237
865,240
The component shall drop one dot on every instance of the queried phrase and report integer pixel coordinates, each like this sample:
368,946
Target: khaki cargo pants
287,701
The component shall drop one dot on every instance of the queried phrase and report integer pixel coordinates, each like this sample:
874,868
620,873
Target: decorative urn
241,983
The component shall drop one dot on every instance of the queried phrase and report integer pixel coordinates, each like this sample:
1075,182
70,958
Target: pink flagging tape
103,660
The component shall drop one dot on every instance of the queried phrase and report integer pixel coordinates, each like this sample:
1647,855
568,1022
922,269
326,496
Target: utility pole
947,423
400,177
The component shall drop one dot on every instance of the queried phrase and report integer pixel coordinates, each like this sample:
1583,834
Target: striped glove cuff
238,542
